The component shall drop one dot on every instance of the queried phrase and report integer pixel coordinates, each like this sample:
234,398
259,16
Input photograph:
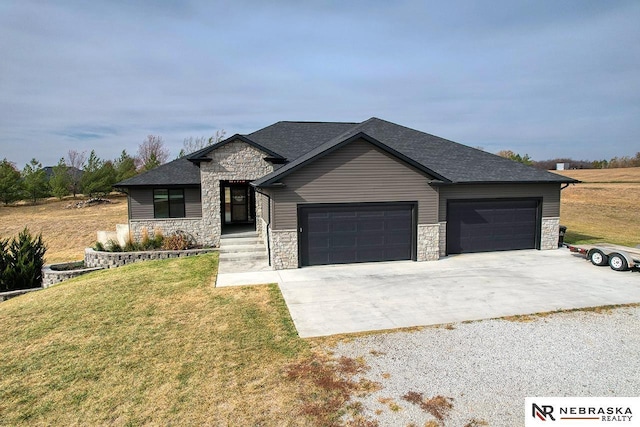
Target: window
168,203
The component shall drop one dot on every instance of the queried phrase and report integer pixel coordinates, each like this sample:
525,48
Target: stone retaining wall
11,294
93,258
51,277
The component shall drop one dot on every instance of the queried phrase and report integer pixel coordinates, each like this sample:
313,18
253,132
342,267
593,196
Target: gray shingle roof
303,142
446,160
293,139
177,172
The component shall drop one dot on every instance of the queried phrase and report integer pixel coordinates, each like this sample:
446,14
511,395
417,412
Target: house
326,193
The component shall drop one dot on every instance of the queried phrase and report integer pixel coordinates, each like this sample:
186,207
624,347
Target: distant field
626,175
66,232
604,207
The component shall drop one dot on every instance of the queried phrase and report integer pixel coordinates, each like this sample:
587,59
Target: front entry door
239,205
238,202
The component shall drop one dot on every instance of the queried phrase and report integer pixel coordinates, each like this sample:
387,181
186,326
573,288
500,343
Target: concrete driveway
337,299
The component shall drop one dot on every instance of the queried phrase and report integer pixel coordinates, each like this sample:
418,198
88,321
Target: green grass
149,343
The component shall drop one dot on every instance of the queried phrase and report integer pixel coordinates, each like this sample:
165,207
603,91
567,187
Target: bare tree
75,163
151,153
192,144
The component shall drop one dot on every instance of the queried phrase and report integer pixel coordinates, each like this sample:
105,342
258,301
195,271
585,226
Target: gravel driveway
489,367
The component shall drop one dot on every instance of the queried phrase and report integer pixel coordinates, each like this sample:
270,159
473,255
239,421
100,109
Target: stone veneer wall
428,242
443,238
94,258
52,277
284,249
235,160
261,228
167,226
550,231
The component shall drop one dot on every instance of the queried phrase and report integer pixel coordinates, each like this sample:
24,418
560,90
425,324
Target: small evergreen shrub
99,247
4,262
113,246
132,246
21,262
158,239
149,243
145,238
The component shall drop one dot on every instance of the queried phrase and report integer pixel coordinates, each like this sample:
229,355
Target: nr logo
542,412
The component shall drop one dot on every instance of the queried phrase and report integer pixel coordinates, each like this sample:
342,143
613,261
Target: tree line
615,162
92,176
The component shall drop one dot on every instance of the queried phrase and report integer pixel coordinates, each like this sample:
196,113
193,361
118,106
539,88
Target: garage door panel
492,225
341,256
318,226
356,233
343,241
319,242
370,240
371,225
340,225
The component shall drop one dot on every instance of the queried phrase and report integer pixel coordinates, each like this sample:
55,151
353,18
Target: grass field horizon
66,231
604,207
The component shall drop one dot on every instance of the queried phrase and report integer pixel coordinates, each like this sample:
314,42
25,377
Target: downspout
268,223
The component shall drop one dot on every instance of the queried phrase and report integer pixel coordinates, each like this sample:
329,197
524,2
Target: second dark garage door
339,234
491,225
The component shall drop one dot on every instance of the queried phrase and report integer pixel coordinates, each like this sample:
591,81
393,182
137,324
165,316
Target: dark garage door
339,234
491,225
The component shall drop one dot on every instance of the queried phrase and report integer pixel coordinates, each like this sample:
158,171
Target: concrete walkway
337,299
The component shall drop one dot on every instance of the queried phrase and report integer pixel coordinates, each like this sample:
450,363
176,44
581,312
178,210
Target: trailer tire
617,262
597,257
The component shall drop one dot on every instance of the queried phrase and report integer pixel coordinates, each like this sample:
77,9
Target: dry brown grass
603,175
602,213
155,344
604,207
66,232
438,406
325,387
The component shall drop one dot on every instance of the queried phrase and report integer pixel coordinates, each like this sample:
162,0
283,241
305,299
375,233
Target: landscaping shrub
21,262
4,262
150,243
113,246
177,241
132,246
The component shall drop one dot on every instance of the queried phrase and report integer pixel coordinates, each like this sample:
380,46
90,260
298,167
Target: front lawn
150,343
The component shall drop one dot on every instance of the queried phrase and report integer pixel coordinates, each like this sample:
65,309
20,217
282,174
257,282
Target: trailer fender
620,261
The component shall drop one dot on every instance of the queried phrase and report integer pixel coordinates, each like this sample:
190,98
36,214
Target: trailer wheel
597,257
618,263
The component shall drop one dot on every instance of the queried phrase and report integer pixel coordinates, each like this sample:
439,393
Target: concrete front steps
242,252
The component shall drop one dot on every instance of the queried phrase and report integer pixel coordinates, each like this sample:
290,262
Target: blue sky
547,78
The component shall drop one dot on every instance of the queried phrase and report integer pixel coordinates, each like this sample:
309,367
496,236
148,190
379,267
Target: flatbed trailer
619,258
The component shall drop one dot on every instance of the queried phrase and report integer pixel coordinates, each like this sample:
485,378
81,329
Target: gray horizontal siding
550,194
141,203
264,206
357,172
